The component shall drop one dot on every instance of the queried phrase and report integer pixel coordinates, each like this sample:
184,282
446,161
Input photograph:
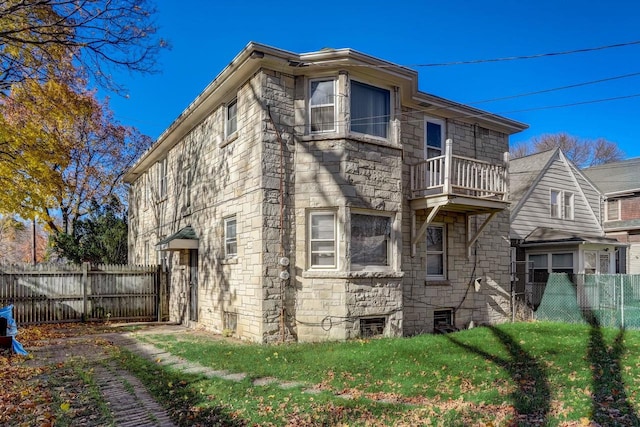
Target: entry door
193,285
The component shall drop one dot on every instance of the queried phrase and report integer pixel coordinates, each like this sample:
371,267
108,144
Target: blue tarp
12,329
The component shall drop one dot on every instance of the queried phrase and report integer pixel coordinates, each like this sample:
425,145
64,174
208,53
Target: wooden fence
72,293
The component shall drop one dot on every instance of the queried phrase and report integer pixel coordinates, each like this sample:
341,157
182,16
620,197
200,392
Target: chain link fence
613,299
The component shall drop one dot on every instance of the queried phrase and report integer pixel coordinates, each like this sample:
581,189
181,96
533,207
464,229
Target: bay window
370,109
322,240
322,105
370,241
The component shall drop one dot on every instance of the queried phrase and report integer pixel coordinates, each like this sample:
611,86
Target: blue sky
206,35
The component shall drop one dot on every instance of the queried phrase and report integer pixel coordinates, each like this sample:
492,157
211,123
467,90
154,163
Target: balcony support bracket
417,235
473,239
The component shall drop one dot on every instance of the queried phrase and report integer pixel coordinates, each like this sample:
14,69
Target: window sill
229,139
328,136
319,274
229,261
437,282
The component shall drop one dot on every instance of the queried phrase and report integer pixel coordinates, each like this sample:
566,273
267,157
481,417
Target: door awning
183,239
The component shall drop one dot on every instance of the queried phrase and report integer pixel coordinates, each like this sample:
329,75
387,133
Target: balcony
451,183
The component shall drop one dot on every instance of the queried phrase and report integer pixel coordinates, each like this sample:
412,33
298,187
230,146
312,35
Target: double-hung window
567,202
322,105
231,118
433,137
230,237
370,241
554,204
436,252
162,178
322,240
561,204
613,210
370,109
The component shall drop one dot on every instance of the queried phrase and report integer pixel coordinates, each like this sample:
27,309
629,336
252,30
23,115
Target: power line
507,58
571,86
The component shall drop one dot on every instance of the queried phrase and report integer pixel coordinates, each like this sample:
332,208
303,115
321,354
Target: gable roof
618,177
524,172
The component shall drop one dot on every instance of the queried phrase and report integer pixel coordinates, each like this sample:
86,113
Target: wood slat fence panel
69,293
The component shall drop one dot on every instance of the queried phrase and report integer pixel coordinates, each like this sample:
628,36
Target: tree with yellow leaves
61,150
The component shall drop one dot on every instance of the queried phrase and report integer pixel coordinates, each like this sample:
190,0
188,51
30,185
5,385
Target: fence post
621,300
85,283
159,295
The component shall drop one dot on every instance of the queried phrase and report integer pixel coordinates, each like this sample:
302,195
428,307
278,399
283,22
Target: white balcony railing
457,175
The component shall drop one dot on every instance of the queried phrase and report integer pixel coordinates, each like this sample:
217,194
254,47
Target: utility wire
571,86
504,58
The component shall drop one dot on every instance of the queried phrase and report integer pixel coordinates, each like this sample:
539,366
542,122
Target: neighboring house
556,222
620,183
321,196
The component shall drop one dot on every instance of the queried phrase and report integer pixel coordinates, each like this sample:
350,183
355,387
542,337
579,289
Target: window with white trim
230,237
162,178
322,240
436,252
543,264
567,204
186,185
613,210
370,242
433,137
370,109
554,204
561,204
231,118
322,105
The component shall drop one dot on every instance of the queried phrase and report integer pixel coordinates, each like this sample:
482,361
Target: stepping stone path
130,403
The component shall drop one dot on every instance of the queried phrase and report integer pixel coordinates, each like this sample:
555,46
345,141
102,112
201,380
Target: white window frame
549,255
162,178
228,120
390,107
619,207
311,240
333,104
442,252
230,240
427,147
568,210
558,205
390,242
563,210
187,179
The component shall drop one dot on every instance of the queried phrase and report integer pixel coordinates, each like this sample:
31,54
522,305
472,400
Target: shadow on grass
531,399
610,405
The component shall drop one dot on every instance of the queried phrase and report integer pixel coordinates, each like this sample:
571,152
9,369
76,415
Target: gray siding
535,210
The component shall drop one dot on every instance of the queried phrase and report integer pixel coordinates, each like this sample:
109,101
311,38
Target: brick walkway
128,399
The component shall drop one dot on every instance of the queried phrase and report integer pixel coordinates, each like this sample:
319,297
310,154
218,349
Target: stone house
556,223
620,183
322,196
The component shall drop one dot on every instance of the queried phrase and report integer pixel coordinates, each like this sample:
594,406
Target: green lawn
514,374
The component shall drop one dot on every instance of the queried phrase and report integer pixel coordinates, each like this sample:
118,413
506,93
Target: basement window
443,321
372,327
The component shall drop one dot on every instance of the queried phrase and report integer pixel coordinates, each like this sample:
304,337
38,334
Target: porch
451,183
